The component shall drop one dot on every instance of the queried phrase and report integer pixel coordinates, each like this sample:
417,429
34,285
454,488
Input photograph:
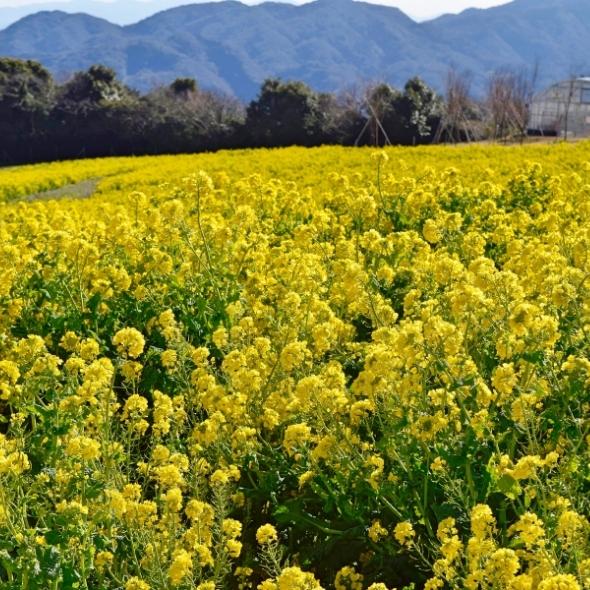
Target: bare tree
497,99
205,110
455,124
347,114
509,97
525,83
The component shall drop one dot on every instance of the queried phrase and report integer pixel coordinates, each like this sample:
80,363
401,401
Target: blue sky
416,8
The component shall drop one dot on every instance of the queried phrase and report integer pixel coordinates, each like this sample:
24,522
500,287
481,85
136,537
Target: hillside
330,44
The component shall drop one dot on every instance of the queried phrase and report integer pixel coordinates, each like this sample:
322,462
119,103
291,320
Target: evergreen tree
285,113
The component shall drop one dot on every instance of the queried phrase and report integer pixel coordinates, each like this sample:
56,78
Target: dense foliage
94,114
296,369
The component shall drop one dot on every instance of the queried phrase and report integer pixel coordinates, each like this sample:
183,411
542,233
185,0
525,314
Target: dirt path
80,190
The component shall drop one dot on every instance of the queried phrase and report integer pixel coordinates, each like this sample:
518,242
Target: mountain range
121,12
330,44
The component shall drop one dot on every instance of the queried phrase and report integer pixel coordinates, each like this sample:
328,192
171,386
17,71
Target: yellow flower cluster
267,533
298,369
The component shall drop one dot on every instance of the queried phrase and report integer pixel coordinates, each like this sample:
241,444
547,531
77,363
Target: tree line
94,114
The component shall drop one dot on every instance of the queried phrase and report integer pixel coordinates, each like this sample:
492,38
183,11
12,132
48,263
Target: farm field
297,369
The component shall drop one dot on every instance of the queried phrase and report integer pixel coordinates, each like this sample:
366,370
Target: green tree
285,113
27,93
96,114
183,87
93,89
383,122
25,87
419,109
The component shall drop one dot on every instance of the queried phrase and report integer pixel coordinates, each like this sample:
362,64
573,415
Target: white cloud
422,9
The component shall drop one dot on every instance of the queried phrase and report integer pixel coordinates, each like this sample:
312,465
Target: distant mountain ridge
330,44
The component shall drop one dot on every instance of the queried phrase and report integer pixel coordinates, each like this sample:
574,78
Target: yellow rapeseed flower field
297,369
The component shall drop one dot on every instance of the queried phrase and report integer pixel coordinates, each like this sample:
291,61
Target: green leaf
509,486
